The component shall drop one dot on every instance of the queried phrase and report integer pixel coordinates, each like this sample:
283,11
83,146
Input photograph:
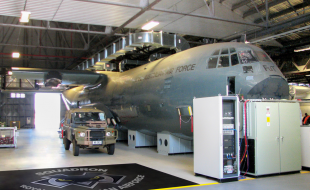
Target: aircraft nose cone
272,87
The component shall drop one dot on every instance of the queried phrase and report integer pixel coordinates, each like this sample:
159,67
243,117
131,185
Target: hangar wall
17,109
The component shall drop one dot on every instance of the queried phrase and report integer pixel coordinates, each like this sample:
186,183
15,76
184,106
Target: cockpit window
262,56
216,52
232,50
234,59
223,61
212,62
247,56
224,57
224,51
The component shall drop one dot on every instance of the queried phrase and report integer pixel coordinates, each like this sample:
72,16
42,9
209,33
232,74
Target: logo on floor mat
87,179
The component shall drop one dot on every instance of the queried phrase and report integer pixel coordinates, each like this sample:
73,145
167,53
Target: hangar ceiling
63,33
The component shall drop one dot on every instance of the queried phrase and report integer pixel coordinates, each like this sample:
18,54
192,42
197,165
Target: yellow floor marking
304,172
202,184
188,186
246,179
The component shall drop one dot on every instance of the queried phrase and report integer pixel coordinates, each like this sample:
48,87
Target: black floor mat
104,177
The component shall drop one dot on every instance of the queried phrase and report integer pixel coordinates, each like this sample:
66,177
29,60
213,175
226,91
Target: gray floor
43,149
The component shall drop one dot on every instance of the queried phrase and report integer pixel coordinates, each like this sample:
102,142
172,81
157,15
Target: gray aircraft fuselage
147,97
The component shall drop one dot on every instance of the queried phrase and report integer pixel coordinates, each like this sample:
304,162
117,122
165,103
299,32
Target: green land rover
88,128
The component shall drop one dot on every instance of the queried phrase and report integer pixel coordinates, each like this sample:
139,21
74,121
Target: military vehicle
88,128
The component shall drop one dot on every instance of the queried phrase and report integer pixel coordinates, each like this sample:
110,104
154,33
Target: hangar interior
89,36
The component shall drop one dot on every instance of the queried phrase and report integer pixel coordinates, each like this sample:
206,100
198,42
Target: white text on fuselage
180,69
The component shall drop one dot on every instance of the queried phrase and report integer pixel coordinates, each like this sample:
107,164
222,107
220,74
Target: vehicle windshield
88,116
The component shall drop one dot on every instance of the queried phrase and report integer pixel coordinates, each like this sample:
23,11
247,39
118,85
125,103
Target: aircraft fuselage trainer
155,96
158,96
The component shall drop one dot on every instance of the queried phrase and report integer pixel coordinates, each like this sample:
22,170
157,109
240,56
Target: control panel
229,143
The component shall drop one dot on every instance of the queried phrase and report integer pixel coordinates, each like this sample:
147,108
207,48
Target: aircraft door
230,86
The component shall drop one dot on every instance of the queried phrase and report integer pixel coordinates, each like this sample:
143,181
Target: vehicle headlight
82,134
108,134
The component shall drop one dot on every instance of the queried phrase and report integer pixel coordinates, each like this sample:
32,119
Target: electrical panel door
267,139
290,145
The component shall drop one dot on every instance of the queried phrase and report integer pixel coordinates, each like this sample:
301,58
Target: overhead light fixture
25,15
302,48
15,55
10,73
150,25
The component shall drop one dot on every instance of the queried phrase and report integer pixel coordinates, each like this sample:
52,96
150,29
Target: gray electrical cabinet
216,134
273,132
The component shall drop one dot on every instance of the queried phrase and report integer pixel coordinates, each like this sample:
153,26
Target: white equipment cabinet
216,126
273,134
305,147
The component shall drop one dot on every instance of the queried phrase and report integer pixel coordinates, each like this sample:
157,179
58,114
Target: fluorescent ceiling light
303,49
15,55
25,15
150,25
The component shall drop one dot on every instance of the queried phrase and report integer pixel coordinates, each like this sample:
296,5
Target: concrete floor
37,149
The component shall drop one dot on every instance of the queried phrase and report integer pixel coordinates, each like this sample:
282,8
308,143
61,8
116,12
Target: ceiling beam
296,43
284,34
281,26
105,41
46,47
208,17
56,29
174,12
143,10
284,12
261,7
240,4
111,3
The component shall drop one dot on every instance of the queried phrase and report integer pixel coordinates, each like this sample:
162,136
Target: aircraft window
212,62
224,61
232,50
262,56
224,51
247,56
216,52
234,59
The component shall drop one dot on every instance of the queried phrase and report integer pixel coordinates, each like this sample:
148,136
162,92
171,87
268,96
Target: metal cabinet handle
282,138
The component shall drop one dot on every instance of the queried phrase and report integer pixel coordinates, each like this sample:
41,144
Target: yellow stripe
188,186
190,110
304,172
246,179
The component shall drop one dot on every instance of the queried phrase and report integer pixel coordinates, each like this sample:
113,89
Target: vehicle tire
111,149
76,148
66,143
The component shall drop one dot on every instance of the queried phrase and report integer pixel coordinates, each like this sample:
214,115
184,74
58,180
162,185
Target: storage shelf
8,137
